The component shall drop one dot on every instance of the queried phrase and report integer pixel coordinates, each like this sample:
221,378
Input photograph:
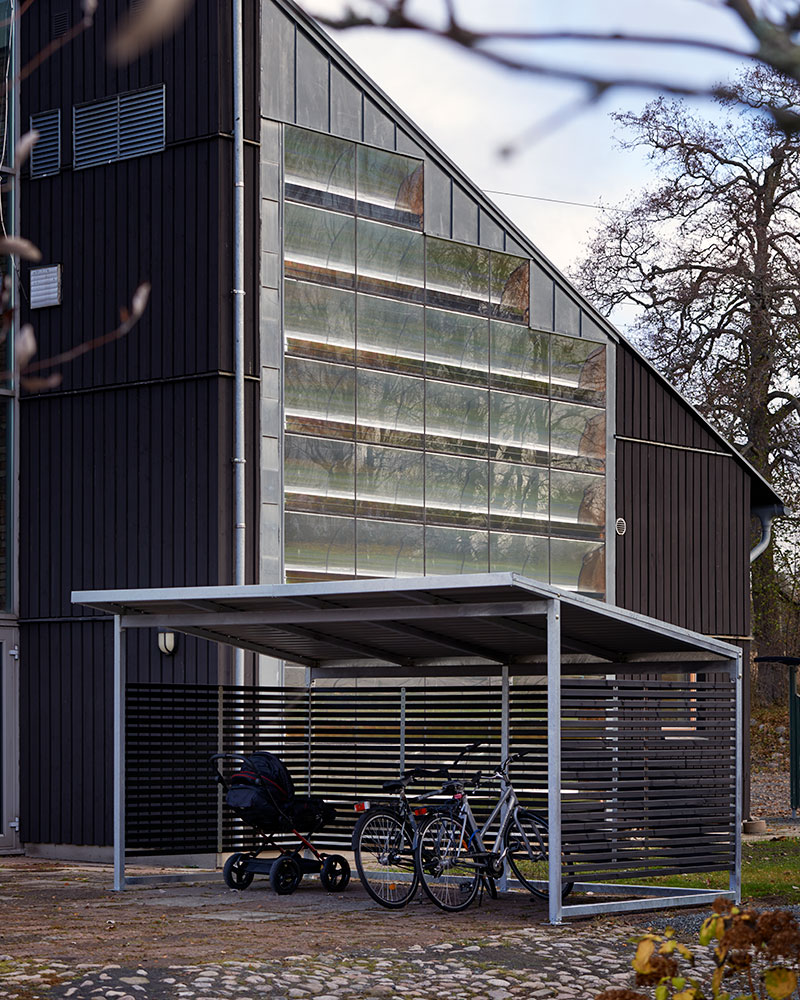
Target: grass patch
770,870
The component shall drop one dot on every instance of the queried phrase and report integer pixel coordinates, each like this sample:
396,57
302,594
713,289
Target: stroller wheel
285,875
235,872
335,873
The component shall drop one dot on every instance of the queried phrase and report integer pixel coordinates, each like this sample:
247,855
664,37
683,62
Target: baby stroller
262,794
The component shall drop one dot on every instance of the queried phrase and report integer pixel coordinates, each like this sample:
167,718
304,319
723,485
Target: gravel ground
769,795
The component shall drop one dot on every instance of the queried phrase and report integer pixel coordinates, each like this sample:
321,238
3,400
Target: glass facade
428,427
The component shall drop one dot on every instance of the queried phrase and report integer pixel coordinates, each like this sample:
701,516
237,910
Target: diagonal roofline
766,493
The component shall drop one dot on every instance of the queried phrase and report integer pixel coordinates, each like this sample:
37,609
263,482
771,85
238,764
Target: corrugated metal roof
420,624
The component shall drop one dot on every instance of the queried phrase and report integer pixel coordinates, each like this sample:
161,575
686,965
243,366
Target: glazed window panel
457,276
390,480
390,260
390,187
391,334
319,474
578,437
388,549
510,287
456,418
520,427
319,398
391,408
319,169
319,321
456,489
455,550
525,554
578,565
520,358
519,496
318,545
578,370
456,346
578,501
318,245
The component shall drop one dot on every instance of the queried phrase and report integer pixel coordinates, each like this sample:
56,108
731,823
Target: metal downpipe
765,516
240,525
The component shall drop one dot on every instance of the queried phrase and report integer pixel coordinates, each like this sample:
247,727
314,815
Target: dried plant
756,957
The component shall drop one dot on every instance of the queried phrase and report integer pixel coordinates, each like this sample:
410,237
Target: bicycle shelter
643,719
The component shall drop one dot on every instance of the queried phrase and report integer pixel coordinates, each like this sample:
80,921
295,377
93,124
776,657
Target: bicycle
451,860
384,836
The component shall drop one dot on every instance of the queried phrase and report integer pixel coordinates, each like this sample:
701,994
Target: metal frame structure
492,624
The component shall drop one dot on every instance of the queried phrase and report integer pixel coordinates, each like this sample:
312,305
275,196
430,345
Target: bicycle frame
472,834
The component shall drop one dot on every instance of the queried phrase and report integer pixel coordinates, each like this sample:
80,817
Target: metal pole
402,730
505,743
119,754
735,879
554,756
240,526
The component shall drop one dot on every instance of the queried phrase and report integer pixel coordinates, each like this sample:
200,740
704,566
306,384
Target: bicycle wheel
526,849
383,849
449,874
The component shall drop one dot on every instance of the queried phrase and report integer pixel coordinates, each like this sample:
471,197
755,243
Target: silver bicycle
450,855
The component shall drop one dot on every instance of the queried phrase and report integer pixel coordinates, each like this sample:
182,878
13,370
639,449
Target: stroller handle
229,756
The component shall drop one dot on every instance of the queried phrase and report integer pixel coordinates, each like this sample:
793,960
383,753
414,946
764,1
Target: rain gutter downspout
765,516
240,525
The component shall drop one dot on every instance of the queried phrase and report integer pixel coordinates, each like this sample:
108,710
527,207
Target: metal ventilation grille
119,127
59,24
46,154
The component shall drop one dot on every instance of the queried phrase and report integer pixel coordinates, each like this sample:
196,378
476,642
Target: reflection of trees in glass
458,413
385,548
521,355
319,313
318,390
519,490
390,475
457,275
518,423
578,497
578,431
320,162
389,256
317,243
525,554
456,484
579,368
388,402
320,544
511,289
456,550
390,186
392,331
458,344
320,466
577,565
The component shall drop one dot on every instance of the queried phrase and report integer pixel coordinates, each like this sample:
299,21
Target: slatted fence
648,764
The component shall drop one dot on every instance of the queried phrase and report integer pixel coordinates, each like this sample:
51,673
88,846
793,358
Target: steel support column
554,755
735,880
119,754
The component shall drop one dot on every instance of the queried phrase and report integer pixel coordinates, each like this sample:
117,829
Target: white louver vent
45,286
118,128
46,154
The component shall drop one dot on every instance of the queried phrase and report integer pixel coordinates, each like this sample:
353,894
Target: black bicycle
384,836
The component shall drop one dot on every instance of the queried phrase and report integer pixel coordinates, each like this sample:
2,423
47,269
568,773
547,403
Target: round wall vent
622,525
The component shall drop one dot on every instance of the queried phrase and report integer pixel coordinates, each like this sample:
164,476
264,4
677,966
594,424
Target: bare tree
709,257
771,31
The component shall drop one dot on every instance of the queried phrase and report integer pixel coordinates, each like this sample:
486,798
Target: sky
471,110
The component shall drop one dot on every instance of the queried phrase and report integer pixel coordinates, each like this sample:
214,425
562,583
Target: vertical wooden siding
685,555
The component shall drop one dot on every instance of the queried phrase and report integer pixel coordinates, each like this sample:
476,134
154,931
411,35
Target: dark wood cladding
649,411
66,757
685,555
